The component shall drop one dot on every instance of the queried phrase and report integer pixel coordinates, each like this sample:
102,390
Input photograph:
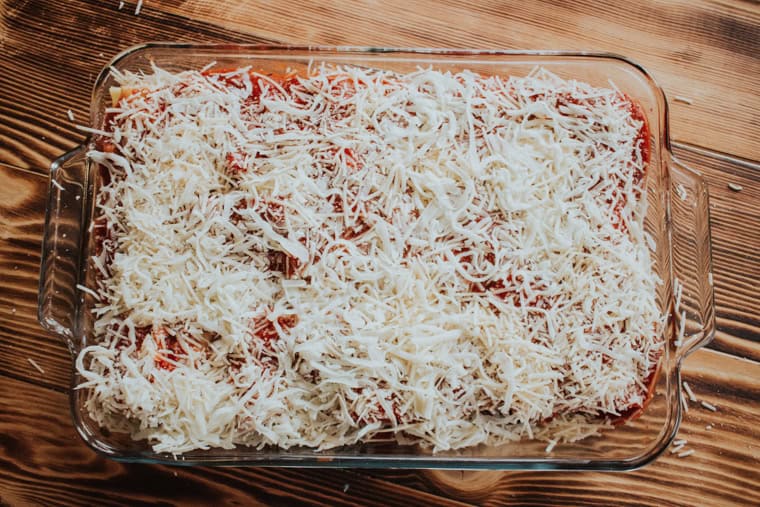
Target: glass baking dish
677,219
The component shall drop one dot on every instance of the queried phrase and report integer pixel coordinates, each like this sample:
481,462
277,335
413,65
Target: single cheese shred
347,255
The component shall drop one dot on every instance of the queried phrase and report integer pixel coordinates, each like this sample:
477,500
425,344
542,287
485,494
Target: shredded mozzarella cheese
36,366
445,258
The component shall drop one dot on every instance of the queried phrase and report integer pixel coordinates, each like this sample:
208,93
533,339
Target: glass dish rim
365,461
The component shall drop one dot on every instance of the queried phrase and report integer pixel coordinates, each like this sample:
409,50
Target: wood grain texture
707,51
44,462
705,371
735,220
34,125
22,199
51,465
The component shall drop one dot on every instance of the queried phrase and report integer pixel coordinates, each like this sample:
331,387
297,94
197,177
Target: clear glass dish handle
59,299
692,259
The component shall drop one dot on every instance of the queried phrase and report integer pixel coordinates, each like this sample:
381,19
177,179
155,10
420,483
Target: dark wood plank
711,56
37,90
21,338
42,461
735,218
708,52
707,477
22,202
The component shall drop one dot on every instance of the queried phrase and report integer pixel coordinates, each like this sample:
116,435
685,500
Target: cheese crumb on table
35,365
709,406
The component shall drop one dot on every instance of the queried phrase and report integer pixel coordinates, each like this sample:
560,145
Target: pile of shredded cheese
351,254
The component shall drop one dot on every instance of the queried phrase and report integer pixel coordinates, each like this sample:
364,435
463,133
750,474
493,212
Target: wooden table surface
705,51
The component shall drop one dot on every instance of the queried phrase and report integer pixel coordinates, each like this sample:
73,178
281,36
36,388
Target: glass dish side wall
625,447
